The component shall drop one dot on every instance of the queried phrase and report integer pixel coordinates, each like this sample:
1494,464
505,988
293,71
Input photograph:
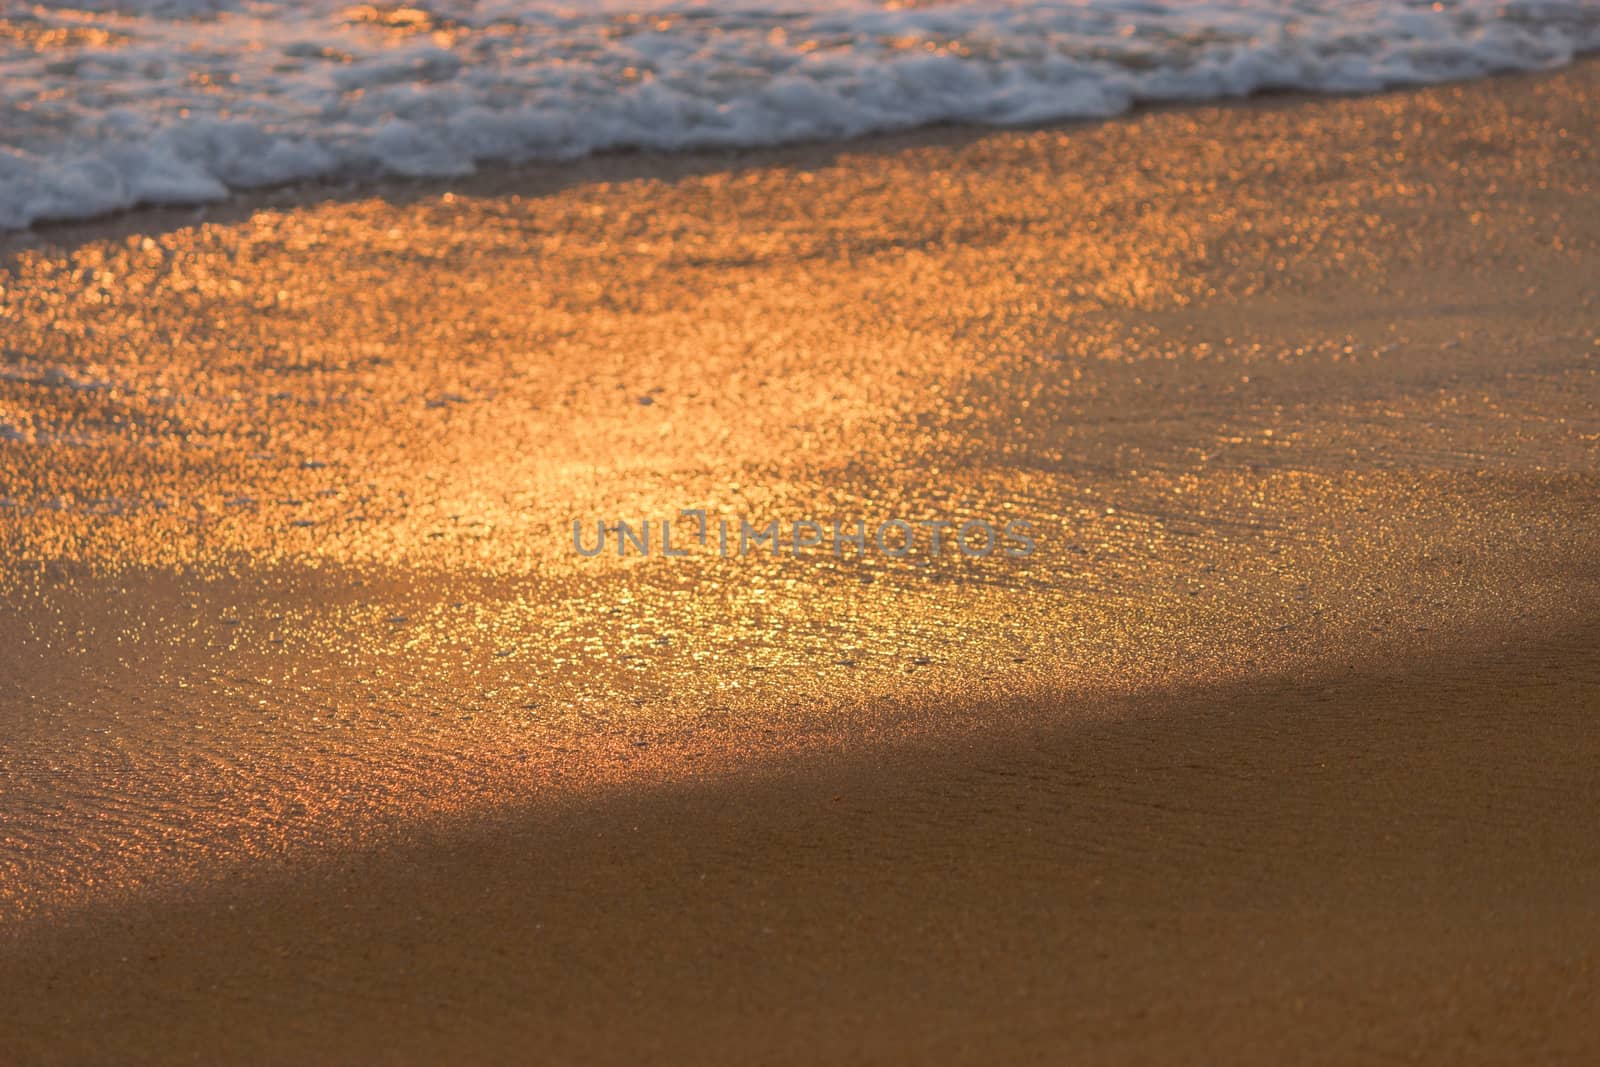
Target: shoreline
320,743
542,177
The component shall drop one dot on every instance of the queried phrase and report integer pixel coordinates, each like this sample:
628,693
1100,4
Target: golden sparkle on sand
286,491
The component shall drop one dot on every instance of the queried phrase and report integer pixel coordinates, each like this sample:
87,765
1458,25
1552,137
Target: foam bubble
110,103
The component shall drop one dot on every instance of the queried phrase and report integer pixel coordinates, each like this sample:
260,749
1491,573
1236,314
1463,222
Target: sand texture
320,743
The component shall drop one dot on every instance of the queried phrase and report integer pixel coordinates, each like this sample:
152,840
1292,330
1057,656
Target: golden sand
1293,702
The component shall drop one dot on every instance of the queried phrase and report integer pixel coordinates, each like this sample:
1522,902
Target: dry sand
320,744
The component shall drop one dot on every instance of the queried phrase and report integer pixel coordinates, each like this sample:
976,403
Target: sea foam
105,104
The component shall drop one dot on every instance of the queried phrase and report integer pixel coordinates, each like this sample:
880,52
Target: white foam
110,103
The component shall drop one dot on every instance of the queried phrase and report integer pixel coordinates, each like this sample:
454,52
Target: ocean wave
107,104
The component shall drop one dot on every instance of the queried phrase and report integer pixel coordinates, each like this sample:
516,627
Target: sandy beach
320,741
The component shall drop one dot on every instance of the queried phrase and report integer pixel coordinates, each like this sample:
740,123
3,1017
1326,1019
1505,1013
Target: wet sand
1398,867
320,743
